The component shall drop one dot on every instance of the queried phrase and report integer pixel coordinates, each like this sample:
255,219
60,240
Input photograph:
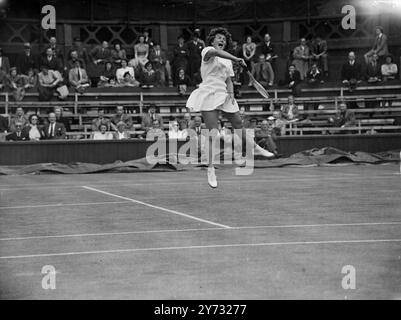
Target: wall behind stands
101,152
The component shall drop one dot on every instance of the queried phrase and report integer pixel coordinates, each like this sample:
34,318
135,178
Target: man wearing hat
149,117
26,60
4,62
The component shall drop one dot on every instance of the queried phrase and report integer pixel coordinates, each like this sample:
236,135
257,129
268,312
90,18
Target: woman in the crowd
34,130
102,134
149,77
118,53
120,73
141,51
108,76
248,52
389,69
16,84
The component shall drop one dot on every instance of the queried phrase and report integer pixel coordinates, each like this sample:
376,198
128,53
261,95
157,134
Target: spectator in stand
244,117
183,82
188,120
301,57
343,118
108,76
121,116
149,77
195,47
33,130
54,130
99,55
319,55
267,48
4,62
19,117
102,134
290,111
118,54
57,52
3,127
248,52
78,78
266,136
18,134
101,120
263,72
58,111
158,58
380,46
128,81
49,81
16,84
3,79
141,53
175,131
150,116
180,59
148,40
389,69
155,131
120,73
236,51
292,79
82,53
31,80
314,75
73,58
351,72
373,69
27,60
121,133
51,61
279,123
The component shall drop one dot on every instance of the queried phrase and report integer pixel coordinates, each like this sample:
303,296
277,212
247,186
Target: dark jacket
349,71
59,131
3,124
296,76
24,136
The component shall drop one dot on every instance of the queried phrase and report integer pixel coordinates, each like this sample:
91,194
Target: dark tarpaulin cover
312,157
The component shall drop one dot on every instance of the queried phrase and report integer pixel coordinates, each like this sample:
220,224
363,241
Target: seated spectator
141,53
351,72
121,116
19,117
266,136
118,54
343,118
149,77
314,76
156,130
3,127
108,76
263,71
150,116
301,57
99,55
78,78
51,61
4,62
279,123
373,69
380,46
27,60
319,55
290,110
101,120
292,79
188,120
16,84
176,131
54,130
128,81
31,80
102,134
49,81
180,60
183,82
120,73
389,69
18,134
58,111
33,130
121,133
161,65
74,56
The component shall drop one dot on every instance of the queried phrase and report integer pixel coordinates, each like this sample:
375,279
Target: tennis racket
257,85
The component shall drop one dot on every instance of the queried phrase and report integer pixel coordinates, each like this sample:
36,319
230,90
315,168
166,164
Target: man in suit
54,130
373,69
27,60
292,79
301,57
266,48
101,120
121,116
319,54
18,134
51,61
158,57
351,71
380,46
263,71
147,119
4,62
78,78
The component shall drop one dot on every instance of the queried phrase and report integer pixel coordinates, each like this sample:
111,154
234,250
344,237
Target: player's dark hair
224,32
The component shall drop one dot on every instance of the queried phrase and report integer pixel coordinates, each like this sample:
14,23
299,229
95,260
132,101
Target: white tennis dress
212,92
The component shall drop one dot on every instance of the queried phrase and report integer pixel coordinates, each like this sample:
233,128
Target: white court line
159,208
263,244
63,205
202,229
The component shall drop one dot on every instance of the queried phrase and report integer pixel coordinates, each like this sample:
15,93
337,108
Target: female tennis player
216,92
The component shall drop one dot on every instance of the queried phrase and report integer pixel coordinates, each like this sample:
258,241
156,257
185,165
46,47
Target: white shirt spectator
102,136
34,133
389,69
121,71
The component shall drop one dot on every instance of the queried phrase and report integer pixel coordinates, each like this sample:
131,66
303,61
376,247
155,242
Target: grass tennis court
280,233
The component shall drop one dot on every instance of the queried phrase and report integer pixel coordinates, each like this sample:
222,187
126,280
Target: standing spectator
292,79
4,62
248,52
183,82
99,56
58,111
380,46
121,133
19,117
389,69
195,47
48,83
351,71
3,79
78,78
57,52
33,130
266,136
236,51
3,127
150,116
54,130
373,69
16,84
314,75
319,55
180,60
18,134
301,57
141,53
27,60
102,134
267,48
158,58
51,61
148,40
108,76
121,116
149,77
100,120
263,72
123,70
118,53
290,110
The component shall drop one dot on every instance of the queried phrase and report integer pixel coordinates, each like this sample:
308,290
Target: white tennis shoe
259,151
211,177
